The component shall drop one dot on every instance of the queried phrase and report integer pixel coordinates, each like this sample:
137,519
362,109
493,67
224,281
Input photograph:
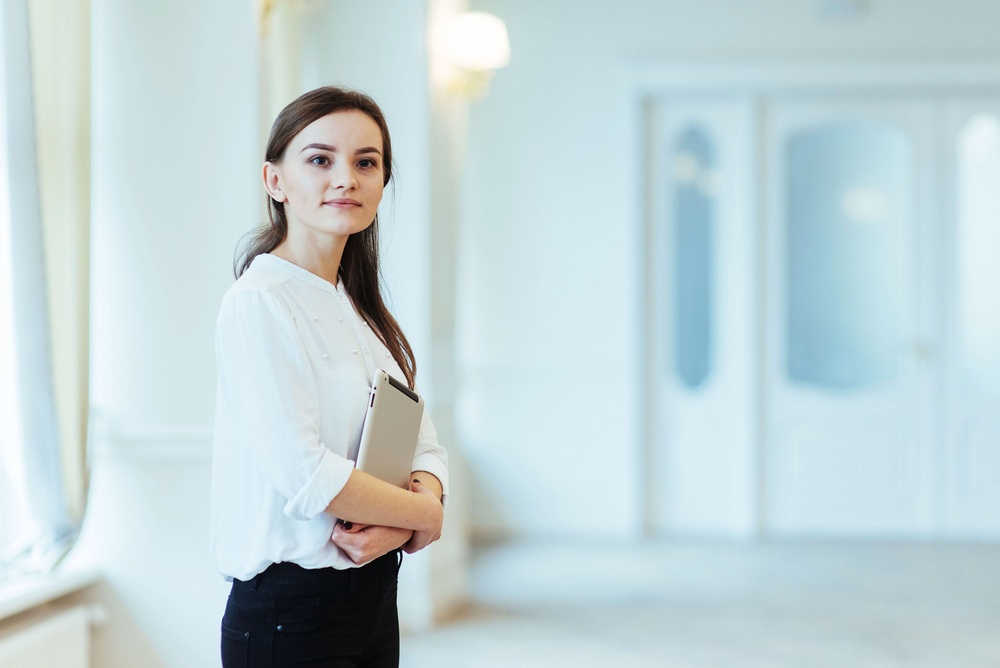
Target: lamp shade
478,41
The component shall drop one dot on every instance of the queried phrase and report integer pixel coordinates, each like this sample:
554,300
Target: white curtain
39,527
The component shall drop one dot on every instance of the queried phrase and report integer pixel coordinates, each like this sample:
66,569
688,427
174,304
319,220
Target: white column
449,129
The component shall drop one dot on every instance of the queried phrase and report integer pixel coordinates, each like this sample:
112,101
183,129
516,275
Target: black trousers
324,617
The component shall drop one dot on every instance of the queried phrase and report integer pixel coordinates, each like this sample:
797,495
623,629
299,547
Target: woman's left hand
362,543
422,539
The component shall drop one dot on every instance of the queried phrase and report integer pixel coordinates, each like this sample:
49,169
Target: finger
419,488
354,546
343,538
365,554
415,544
354,527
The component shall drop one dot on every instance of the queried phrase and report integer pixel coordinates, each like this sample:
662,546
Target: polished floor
770,605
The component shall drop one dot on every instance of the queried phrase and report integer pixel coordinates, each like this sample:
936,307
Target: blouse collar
298,272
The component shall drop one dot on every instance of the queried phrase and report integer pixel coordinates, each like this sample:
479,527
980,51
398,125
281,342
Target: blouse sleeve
272,403
430,456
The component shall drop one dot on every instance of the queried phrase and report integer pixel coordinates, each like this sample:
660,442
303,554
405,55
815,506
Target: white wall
174,187
548,280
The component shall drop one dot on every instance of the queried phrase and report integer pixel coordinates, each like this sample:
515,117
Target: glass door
848,326
972,480
701,294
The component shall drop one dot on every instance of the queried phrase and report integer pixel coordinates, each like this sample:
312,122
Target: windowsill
27,592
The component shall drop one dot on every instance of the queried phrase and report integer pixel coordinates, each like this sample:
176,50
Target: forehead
346,130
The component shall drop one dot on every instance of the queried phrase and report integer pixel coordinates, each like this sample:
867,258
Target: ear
272,182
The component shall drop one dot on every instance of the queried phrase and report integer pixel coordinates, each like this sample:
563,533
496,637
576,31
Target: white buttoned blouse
295,364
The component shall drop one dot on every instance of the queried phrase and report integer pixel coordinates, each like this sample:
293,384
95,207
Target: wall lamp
476,43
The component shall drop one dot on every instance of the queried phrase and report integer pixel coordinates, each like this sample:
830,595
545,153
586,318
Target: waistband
287,572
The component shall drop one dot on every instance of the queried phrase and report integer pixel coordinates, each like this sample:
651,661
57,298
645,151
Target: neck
317,252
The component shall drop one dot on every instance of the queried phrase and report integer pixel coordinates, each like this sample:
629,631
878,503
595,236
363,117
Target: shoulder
260,276
260,292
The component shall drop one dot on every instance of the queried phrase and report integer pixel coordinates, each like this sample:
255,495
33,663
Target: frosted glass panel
694,190
978,247
849,193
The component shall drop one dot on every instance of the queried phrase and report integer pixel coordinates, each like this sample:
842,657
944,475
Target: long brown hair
359,268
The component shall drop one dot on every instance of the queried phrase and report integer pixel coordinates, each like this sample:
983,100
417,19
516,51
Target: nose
343,176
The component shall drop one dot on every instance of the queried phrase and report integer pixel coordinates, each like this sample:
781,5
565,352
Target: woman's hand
422,539
363,542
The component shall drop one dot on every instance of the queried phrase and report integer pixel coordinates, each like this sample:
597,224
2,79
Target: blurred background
704,296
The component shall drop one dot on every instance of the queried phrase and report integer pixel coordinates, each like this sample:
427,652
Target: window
694,209
978,248
849,185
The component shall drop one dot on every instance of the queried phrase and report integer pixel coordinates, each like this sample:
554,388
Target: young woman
298,339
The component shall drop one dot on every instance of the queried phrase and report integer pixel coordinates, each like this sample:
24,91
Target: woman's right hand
363,543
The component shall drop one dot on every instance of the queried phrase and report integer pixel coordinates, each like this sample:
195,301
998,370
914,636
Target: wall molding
150,442
769,76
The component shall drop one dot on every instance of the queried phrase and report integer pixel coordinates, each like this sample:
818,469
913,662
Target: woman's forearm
368,500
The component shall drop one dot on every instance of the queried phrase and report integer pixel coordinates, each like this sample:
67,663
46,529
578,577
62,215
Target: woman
311,544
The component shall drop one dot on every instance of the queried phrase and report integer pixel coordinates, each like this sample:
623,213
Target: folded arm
363,542
367,500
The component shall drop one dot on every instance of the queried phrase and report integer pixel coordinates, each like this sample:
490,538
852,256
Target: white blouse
295,364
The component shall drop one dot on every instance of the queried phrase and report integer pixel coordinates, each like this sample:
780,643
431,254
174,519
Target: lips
343,203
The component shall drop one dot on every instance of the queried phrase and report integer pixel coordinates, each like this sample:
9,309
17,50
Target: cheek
305,186
375,192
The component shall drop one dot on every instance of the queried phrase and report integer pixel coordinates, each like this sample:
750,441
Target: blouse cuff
326,482
431,463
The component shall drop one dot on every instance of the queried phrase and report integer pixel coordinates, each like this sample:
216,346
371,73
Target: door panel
703,287
849,188
972,486
846,451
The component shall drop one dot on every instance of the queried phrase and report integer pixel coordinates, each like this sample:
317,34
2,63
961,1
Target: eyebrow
333,149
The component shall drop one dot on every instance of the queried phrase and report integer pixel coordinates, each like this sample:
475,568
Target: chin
343,226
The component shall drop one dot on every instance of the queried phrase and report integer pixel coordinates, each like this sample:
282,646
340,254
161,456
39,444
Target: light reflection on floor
771,605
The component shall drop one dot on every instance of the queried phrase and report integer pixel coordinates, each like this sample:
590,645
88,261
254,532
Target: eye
367,163
320,160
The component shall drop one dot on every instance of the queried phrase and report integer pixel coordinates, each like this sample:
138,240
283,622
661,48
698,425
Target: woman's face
330,178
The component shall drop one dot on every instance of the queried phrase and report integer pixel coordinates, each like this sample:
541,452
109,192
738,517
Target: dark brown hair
359,268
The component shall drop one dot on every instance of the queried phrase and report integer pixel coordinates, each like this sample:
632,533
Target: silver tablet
389,435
